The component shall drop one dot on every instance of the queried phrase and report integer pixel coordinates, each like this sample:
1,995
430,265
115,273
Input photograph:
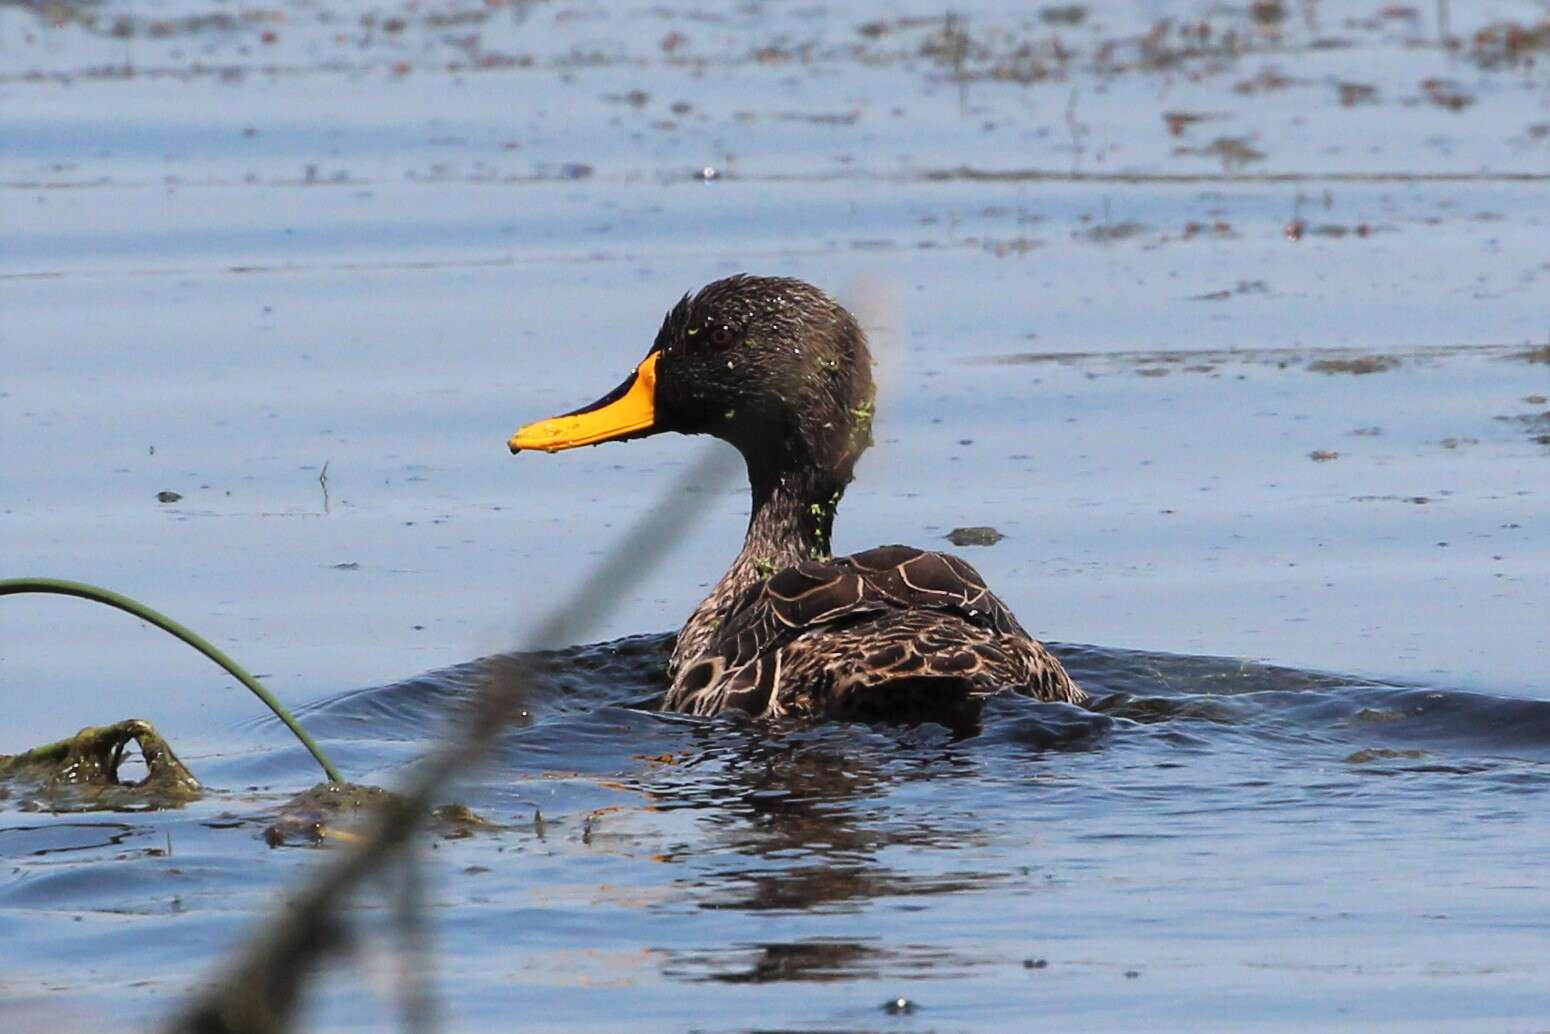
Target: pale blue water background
257,257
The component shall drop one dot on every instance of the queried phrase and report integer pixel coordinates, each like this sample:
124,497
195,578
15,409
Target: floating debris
82,773
1508,43
1446,94
1536,424
1352,94
1242,287
331,812
1359,365
1063,14
1178,121
1221,228
1268,13
1107,232
1267,81
1234,152
979,535
1366,757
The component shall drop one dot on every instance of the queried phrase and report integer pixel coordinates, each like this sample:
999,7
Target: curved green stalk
81,590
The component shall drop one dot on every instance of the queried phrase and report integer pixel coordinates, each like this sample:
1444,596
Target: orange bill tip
629,411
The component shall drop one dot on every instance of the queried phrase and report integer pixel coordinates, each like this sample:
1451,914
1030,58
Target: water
1216,844
229,260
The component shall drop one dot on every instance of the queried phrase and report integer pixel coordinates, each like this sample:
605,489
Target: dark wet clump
978,535
332,812
84,771
1367,757
313,816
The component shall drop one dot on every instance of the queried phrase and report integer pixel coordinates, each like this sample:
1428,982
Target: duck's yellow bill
630,410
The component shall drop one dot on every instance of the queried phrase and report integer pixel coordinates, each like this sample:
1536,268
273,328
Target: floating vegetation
1358,365
1233,152
1242,287
84,772
334,813
977,535
1352,94
1508,43
1446,94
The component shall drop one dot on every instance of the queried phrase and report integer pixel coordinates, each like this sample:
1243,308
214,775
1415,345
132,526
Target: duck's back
891,634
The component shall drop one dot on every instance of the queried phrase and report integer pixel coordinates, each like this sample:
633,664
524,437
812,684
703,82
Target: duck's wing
905,613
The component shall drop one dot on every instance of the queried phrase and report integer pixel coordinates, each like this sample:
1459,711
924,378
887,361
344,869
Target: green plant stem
97,594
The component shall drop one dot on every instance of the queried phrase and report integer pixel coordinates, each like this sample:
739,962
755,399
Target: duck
782,372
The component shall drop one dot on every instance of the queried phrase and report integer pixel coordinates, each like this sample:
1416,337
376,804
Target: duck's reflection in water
820,960
814,806
816,821
819,817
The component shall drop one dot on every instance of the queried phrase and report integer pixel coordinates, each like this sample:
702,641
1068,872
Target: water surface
1237,334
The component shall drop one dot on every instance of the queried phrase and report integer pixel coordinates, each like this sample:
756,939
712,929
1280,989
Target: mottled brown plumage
894,633
782,372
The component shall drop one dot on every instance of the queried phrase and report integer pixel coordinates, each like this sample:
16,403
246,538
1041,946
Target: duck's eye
722,335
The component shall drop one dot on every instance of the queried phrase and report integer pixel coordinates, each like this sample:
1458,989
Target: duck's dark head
772,365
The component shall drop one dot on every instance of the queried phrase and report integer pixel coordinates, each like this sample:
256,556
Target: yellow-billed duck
782,372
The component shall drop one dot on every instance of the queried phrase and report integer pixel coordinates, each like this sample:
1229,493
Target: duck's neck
792,520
